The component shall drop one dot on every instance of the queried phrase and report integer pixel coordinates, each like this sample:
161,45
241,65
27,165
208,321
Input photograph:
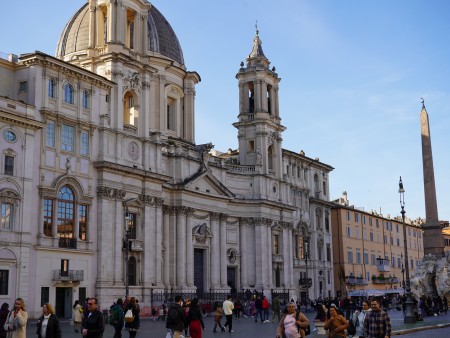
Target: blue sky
352,76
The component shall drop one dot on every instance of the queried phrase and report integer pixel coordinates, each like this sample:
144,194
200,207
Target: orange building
368,248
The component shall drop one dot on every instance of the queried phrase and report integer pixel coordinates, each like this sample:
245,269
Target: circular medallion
9,136
133,151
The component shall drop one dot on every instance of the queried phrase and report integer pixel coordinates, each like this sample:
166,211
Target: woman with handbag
16,323
336,325
48,324
292,324
360,317
77,315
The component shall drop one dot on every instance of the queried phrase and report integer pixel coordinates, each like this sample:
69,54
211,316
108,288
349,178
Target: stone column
181,247
286,264
223,250
166,248
92,25
149,241
258,96
259,247
241,98
189,249
215,251
159,242
243,238
269,256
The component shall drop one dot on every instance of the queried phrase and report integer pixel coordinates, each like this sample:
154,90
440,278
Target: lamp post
409,304
126,246
403,276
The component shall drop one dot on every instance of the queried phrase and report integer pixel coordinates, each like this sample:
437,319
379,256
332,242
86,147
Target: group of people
369,321
184,316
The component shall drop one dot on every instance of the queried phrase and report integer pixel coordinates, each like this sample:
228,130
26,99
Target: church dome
161,37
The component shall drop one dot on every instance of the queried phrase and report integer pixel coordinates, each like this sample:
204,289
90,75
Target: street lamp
126,246
403,276
409,304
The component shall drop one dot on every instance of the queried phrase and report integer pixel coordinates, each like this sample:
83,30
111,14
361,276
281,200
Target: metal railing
68,276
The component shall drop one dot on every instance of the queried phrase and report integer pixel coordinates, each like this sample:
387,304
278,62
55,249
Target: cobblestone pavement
246,327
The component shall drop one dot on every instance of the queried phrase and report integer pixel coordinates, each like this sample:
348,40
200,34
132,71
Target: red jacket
265,303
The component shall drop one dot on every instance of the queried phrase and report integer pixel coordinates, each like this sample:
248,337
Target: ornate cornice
111,193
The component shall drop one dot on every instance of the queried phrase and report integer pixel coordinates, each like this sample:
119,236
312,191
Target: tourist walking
336,325
176,318
377,323
48,324
292,324
17,320
218,312
4,311
77,315
116,317
359,318
228,307
93,324
195,320
133,325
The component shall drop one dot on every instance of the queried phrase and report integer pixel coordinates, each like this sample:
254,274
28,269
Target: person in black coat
48,324
4,310
133,326
93,324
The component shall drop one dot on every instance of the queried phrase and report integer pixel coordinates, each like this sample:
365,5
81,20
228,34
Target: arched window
71,218
132,271
318,219
86,99
130,114
66,213
52,88
270,157
68,94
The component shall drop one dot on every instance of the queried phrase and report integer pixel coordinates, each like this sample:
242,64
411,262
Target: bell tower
259,128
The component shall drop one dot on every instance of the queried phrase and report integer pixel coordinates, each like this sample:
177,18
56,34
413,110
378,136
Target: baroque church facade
98,145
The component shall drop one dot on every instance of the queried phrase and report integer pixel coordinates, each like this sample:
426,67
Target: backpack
172,315
115,315
352,327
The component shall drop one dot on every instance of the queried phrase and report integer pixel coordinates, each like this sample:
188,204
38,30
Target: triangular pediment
207,183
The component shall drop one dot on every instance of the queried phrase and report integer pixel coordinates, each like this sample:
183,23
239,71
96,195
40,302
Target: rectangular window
7,216
328,253
392,240
364,219
48,217
396,227
348,215
366,258
9,165
45,295
350,256
84,144
358,257
377,223
368,275
64,267
132,226
67,137
86,99
4,282
356,217
371,236
82,216
398,241
372,259
23,86
349,231
412,264
50,134
393,261
275,244
356,232
370,221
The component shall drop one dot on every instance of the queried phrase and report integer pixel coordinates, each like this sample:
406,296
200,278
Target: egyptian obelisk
433,240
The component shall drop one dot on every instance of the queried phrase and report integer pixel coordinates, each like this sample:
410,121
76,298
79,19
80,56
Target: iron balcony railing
68,276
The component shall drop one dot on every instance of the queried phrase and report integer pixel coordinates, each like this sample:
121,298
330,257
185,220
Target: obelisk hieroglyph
433,240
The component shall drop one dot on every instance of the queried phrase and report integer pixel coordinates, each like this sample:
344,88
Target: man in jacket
176,318
93,324
117,317
377,323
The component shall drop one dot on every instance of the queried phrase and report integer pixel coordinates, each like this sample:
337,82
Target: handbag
169,334
308,330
